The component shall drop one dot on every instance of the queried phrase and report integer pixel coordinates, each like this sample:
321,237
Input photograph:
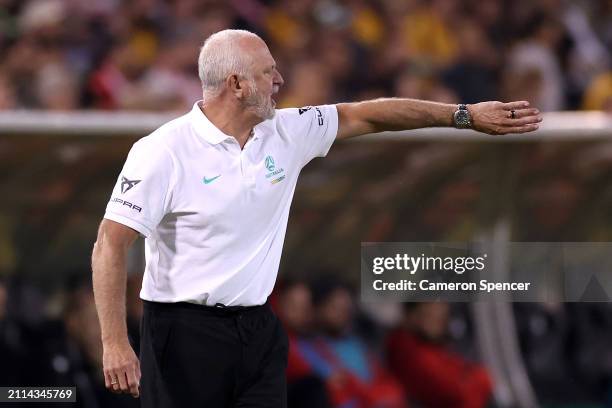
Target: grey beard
259,104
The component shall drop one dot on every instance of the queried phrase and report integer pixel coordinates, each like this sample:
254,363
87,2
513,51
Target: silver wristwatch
462,118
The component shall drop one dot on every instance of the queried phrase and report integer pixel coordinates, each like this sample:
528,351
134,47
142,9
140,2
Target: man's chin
267,114
263,114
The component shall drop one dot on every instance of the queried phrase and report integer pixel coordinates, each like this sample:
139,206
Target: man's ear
235,86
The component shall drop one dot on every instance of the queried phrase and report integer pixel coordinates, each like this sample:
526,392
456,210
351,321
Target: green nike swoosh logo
210,180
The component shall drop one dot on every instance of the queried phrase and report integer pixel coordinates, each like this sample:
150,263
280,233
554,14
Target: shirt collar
207,130
204,127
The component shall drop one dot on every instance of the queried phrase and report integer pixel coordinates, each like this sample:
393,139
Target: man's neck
231,120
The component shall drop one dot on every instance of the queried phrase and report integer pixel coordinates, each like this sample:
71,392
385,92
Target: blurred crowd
339,356
141,54
343,353
56,341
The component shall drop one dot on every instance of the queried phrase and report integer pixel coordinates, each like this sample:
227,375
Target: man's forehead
253,44
258,48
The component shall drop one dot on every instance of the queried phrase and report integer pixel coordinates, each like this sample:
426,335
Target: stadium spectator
56,88
473,76
432,375
534,70
113,84
427,32
166,85
294,308
353,373
310,84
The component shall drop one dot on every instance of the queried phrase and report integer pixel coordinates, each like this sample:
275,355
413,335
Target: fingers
518,129
116,384
515,105
138,372
108,380
133,379
524,129
111,381
521,113
526,120
123,382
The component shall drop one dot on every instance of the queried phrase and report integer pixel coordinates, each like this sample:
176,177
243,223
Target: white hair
220,57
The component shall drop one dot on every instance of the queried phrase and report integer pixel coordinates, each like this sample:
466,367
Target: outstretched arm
389,114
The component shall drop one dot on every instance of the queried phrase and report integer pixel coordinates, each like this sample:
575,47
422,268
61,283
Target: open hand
498,118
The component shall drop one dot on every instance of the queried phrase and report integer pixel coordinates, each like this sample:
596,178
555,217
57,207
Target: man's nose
278,79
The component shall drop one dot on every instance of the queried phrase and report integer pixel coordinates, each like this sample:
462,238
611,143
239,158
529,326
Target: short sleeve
313,128
141,195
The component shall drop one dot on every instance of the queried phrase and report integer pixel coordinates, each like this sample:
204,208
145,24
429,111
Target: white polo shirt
214,216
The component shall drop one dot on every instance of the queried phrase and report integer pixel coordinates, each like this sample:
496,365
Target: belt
219,309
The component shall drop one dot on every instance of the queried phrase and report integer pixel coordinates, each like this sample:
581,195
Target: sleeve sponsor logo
304,109
126,184
319,116
319,113
126,203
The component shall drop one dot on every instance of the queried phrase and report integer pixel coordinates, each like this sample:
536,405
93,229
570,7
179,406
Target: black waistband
219,309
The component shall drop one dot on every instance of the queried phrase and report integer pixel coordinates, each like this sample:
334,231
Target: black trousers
212,357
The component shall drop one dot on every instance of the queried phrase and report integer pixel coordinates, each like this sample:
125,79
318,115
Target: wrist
470,109
449,115
117,340
462,117
110,347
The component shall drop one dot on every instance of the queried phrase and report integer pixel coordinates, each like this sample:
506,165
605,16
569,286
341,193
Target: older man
211,193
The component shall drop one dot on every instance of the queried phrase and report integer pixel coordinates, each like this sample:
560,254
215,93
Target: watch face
462,118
